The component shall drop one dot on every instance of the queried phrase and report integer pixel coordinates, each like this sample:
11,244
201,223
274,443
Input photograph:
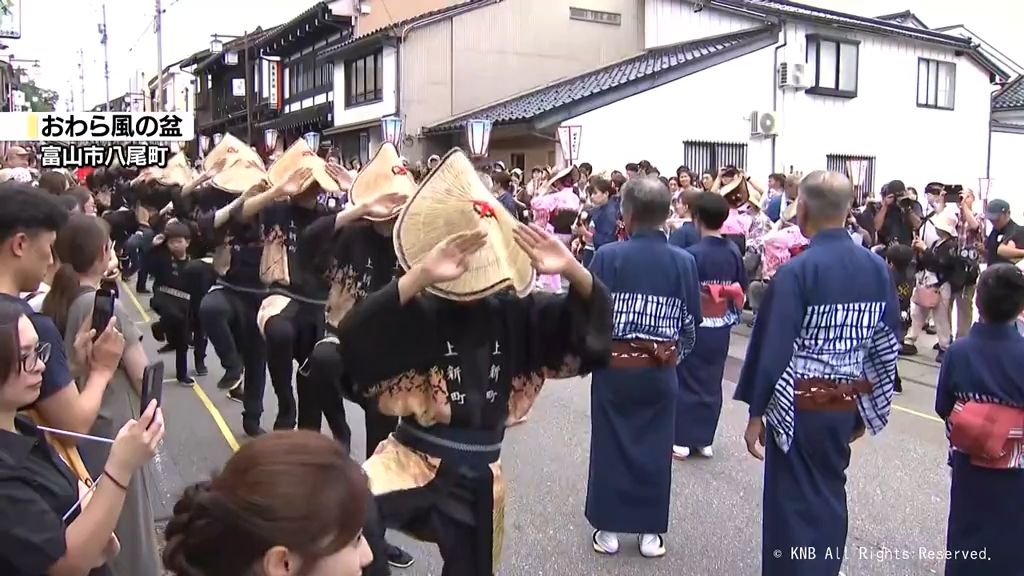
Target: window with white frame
834,62
936,84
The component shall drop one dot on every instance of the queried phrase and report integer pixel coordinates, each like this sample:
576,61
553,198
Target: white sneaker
707,452
606,542
680,452
651,545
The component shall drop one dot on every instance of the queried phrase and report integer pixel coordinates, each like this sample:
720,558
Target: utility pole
81,74
106,58
159,57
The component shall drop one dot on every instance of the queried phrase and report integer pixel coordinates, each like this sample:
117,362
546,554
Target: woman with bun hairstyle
258,517
50,522
980,395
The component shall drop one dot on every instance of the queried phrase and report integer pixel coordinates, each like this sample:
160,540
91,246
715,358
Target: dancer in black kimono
453,351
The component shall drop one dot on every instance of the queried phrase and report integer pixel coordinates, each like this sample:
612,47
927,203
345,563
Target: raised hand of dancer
446,262
548,254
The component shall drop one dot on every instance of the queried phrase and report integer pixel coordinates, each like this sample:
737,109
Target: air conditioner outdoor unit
793,75
764,124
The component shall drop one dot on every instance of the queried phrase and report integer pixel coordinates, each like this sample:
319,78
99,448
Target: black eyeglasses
31,360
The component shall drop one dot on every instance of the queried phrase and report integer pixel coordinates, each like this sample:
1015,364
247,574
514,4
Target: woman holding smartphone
83,246
45,528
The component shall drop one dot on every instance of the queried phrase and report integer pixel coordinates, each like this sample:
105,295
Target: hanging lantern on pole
204,143
312,140
569,140
217,138
391,129
270,140
478,133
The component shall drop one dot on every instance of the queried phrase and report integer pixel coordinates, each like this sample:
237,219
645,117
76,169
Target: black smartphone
103,308
152,385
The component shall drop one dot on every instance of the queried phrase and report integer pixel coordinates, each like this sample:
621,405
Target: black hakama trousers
632,425
985,515
699,402
805,516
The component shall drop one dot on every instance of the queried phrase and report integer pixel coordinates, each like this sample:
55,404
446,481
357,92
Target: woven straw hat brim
568,170
379,177
177,172
445,205
298,156
231,146
238,177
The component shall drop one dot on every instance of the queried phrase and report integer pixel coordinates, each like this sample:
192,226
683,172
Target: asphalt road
897,483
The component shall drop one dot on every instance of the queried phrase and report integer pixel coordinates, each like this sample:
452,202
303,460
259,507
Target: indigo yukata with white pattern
831,312
656,298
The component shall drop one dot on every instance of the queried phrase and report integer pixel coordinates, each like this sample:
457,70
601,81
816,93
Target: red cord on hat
484,209
399,170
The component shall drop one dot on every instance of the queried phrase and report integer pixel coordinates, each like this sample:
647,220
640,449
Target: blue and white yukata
985,501
820,366
656,299
699,403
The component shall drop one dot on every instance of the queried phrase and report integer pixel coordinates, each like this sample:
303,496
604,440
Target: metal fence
710,156
847,164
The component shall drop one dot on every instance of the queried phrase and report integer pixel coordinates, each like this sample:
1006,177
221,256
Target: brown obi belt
991,434
643,354
717,299
822,394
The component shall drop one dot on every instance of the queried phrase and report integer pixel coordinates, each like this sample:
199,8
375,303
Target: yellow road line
135,300
918,414
218,418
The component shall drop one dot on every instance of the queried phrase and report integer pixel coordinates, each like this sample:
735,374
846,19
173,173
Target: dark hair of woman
681,170
10,340
1000,293
601,185
68,202
53,182
710,209
81,194
79,244
296,489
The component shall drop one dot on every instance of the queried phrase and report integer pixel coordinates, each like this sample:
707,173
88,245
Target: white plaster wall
347,116
1007,155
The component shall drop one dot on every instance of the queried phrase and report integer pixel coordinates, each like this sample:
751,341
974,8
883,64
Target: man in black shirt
1005,244
898,216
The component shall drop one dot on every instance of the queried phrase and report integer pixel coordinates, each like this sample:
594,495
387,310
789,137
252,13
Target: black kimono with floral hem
442,365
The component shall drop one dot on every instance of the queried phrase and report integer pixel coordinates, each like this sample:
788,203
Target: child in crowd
171,297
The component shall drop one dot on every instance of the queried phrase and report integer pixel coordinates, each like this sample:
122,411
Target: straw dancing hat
452,200
384,174
177,173
239,176
737,186
298,156
231,146
567,171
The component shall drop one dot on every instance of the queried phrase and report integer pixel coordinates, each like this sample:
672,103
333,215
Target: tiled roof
1010,97
903,18
793,9
657,65
390,28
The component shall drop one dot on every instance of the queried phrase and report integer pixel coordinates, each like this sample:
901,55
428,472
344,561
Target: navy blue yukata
985,503
699,403
832,314
655,296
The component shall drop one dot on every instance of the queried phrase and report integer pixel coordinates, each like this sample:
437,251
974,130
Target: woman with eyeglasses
50,523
